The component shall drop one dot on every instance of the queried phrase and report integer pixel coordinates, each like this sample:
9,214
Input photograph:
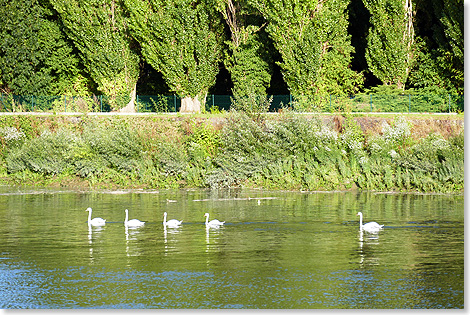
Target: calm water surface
276,250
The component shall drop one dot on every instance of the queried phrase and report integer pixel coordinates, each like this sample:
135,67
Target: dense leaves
334,47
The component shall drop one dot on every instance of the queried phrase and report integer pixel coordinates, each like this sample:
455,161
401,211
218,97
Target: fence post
449,102
409,103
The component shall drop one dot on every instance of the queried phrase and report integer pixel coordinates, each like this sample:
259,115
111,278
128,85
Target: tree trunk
190,105
130,107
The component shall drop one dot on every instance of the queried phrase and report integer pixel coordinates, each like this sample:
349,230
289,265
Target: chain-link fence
215,103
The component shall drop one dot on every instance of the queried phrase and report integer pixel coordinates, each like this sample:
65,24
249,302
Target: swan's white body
213,223
95,221
369,227
171,223
133,222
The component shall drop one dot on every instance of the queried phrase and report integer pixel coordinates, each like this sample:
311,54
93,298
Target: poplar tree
335,74
439,59
247,60
99,31
182,39
35,56
390,40
290,24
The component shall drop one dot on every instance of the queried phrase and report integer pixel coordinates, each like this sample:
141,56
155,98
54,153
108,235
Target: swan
133,222
171,223
213,223
95,221
369,227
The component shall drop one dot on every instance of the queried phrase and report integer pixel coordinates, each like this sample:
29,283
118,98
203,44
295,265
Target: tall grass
287,152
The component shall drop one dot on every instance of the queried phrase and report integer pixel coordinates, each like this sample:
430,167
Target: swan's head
88,209
126,210
359,213
165,214
206,214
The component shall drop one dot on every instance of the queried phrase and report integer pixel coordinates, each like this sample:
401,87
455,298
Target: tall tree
35,56
335,74
291,27
390,40
440,58
248,58
99,30
182,39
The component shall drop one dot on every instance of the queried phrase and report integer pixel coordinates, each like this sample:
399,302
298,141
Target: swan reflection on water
212,233
169,242
93,229
131,235
367,243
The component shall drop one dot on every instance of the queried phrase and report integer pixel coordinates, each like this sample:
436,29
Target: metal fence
214,103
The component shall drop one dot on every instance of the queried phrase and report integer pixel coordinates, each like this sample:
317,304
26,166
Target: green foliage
389,42
248,60
182,39
335,75
99,31
289,152
35,56
252,104
291,27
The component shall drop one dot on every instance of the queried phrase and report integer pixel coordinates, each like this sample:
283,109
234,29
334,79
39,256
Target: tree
390,40
439,61
291,27
35,56
99,31
183,40
335,74
248,60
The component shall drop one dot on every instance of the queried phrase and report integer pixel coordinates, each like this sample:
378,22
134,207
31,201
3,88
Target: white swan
213,223
369,227
95,221
171,223
133,222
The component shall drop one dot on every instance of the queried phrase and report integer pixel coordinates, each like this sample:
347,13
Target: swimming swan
133,222
369,227
214,223
171,223
95,221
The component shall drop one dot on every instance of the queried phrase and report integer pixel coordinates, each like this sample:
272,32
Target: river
276,250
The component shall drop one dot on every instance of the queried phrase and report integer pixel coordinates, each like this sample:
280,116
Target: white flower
440,143
393,153
11,133
363,160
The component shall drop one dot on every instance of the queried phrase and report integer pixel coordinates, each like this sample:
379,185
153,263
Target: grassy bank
283,151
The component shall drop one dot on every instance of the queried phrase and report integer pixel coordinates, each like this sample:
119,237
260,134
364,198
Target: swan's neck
89,216
360,221
207,219
164,219
127,217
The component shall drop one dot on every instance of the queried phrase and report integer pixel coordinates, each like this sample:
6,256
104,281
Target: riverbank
383,152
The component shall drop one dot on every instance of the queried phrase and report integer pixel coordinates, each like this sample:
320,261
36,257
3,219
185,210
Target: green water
276,250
